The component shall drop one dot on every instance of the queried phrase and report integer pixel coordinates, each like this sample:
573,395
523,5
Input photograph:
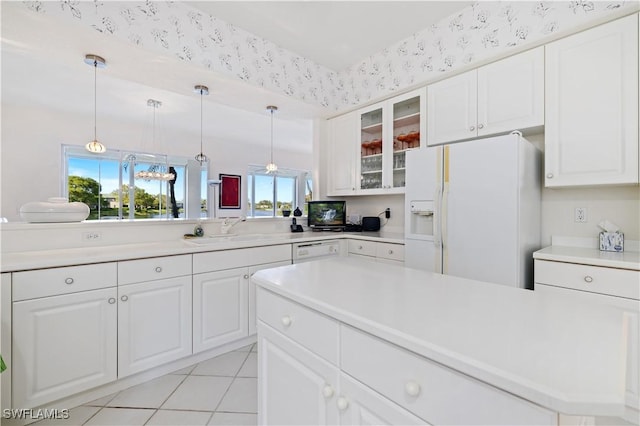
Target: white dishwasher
305,252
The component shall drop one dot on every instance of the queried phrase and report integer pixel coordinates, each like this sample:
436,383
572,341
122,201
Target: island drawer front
390,251
437,394
594,279
309,328
239,258
70,279
157,268
365,248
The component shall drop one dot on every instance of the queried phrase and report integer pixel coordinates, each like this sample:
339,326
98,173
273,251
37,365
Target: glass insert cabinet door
406,135
371,149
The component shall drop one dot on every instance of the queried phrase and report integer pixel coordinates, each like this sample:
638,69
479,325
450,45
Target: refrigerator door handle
436,217
443,224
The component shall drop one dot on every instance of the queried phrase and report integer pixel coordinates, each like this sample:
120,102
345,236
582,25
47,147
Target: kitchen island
435,348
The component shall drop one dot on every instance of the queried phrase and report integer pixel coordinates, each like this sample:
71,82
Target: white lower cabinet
154,323
295,386
220,307
223,305
63,345
381,252
359,405
371,381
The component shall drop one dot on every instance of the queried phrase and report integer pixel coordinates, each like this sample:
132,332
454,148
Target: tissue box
611,241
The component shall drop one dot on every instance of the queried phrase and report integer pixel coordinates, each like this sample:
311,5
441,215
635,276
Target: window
269,194
114,186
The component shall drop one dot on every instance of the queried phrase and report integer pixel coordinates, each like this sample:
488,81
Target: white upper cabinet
367,147
591,132
497,98
341,162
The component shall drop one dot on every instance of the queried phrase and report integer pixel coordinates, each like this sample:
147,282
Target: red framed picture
230,191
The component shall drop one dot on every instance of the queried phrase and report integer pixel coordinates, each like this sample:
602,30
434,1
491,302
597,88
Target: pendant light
203,90
155,172
96,62
271,167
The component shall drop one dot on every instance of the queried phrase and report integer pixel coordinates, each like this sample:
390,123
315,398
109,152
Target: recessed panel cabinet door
452,109
341,161
220,307
591,101
63,345
295,386
154,324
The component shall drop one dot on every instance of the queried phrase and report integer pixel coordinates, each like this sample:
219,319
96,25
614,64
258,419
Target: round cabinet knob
472,128
549,175
359,247
158,269
412,388
68,281
286,320
390,251
588,279
124,298
245,276
342,403
112,300
327,391
480,126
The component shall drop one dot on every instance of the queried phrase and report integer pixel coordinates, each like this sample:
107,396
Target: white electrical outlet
580,215
91,236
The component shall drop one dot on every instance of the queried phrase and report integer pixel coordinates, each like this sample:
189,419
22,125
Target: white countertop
590,256
559,353
18,261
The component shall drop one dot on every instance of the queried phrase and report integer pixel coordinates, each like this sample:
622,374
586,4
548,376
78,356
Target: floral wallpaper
476,33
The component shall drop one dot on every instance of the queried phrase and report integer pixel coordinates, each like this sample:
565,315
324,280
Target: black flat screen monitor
327,215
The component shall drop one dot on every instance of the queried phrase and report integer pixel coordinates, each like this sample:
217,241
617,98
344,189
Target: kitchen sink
226,238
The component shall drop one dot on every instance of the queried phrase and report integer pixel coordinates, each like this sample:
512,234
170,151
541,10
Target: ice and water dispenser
421,218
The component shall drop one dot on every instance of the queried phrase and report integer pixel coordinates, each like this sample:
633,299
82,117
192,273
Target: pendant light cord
272,136
201,96
95,99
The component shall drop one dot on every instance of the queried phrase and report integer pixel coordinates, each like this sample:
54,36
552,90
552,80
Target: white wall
31,151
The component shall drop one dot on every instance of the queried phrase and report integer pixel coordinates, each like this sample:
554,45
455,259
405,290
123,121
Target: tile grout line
233,380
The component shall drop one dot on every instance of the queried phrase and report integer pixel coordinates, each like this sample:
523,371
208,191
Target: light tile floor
219,391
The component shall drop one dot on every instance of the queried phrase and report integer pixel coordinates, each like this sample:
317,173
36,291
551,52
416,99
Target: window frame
299,192
194,179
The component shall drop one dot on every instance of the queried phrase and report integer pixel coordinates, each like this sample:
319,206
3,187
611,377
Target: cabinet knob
124,298
588,279
112,300
286,320
549,175
342,403
359,247
245,276
327,391
412,388
68,280
158,269
472,128
390,251
480,126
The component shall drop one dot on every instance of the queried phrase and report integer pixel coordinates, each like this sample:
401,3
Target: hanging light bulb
155,171
272,167
203,90
97,62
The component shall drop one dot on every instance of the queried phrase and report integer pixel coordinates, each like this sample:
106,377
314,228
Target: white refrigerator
473,209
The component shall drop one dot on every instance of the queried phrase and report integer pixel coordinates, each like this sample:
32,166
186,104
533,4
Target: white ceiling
336,34
42,63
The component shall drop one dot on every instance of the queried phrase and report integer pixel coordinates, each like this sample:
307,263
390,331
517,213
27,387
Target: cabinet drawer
365,248
433,392
239,258
390,251
157,268
595,279
54,281
307,327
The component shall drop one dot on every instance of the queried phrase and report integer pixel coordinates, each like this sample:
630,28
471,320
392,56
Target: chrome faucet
228,224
